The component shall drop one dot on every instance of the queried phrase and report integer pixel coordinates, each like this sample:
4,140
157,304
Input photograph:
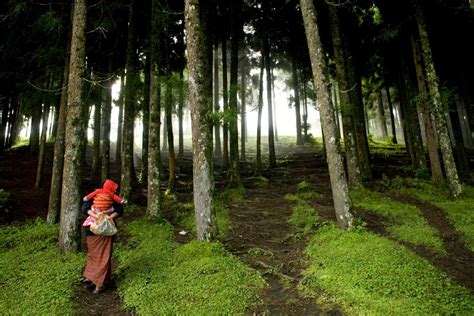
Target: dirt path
262,237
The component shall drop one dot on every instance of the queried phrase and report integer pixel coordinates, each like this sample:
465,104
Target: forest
273,157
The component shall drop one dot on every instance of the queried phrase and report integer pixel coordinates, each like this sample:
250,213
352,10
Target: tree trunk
347,110
74,141
348,24
296,88
225,125
165,132
436,171
275,126
342,203
463,160
217,127
118,145
146,120
44,134
381,115
180,115
411,123
200,96
243,108
170,135
234,171
154,155
106,116
258,170
392,117
271,138
305,113
58,160
96,144
3,127
35,128
129,109
437,107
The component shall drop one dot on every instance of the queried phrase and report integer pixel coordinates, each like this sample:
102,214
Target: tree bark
436,170
200,96
392,116
146,120
381,115
154,155
180,115
35,128
225,125
106,116
44,134
296,89
58,160
118,146
129,109
243,108
74,141
258,170
3,127
275,125
271,136
347,110
437,106
170,134
217,127
96,144
234,171
342,203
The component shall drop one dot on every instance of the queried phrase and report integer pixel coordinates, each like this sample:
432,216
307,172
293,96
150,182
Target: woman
99,251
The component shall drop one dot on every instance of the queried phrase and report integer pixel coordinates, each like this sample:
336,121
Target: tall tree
180,115
225,125
347,111
127,168
146,120
234,170
342,203
118,145
271,135
430,133
200,97
58,160
258,170
44,134
243,107
217,126
154,155
437,106
97,126
106,117
74,141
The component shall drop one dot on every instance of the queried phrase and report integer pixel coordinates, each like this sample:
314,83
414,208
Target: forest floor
260,234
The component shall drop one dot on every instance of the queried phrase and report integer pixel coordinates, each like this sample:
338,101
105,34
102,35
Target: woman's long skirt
99,259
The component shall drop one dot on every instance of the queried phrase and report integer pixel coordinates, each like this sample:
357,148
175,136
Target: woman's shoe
98,290
86,281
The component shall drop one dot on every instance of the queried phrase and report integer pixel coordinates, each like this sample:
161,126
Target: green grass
369,274
403,221
186,217
35,279
459,211
160,277
304,217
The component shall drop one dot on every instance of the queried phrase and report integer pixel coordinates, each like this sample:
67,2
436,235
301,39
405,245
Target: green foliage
157,276
35,279
371,275
402,220
459,211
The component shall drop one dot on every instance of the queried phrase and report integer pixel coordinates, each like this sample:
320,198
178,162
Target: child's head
110,186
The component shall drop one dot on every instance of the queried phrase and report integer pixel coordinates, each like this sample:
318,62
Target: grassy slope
34,278
369,274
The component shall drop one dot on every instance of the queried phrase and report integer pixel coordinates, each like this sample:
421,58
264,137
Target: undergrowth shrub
35,279
372,275
403,221
158,276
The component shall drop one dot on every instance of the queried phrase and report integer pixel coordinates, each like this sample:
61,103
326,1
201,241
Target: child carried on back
103,202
